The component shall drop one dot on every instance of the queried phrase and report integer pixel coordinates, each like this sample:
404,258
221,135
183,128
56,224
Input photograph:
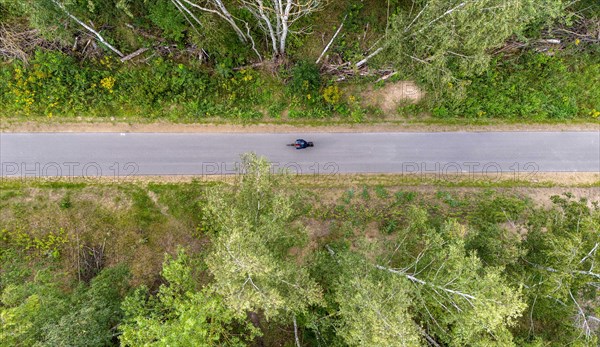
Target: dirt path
166,127
583,180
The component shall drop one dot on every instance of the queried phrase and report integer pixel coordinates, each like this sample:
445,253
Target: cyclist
300,144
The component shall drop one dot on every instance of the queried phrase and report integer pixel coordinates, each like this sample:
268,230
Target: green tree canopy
447,40
373,307
562,251
39,312
254,233
181,314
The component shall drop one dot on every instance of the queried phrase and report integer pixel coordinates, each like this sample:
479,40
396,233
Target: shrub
166,16
381,192
306,79
57,84
48,245
404,197
533,86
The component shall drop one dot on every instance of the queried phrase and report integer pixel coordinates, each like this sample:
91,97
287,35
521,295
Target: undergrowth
529,87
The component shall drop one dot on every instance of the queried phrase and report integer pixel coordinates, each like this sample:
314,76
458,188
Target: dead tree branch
296,333
133,55
414,279
87,27
364,61
331,41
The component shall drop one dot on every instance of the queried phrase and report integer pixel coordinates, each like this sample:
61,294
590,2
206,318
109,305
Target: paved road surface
114,154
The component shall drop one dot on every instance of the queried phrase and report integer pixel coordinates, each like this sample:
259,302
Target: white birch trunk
100,38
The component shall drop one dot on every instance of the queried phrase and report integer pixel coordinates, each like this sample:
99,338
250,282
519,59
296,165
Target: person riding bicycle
300,144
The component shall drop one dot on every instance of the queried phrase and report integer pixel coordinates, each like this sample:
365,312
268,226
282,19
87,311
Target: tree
39,313
494,229
426,288
448,40
373,308
99,37
562,251
52,18
27,308
253,236
94,313
181,314
457,299
275,18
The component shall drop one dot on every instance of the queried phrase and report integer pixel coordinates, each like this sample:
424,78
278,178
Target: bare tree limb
252,41
100,38
364,61
429,339
331,41
186,14
296,333
462,4
585,325
580,272
133,55
385,77
276,17
416,17
221,12
591,253
414,279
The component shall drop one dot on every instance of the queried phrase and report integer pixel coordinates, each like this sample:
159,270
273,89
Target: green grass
458,181
124,217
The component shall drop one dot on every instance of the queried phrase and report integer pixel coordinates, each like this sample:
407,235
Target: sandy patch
110,199
46,196
316,228
391,95
163,209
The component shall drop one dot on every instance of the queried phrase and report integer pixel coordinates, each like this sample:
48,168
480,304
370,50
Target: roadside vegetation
136,61
263,261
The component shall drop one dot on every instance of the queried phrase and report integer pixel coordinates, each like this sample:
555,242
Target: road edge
166,127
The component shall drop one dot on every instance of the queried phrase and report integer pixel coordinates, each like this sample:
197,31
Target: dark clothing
300,144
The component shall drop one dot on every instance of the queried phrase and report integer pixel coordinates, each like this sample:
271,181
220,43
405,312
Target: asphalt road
115,154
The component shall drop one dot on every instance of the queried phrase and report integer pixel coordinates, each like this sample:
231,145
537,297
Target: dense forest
264,261
293,60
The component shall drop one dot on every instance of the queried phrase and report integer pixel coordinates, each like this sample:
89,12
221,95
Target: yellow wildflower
108,83
332,95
